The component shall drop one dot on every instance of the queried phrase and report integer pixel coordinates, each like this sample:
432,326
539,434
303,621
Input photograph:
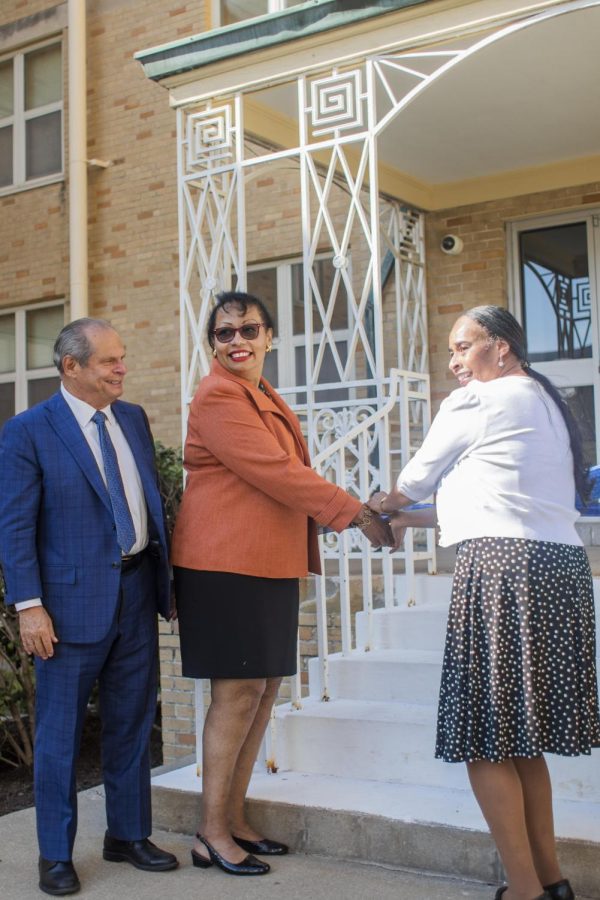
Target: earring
501,363
214,352
269,348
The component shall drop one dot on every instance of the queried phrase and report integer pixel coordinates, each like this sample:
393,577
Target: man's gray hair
74,341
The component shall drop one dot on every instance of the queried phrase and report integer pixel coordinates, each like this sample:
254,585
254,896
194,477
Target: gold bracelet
365,518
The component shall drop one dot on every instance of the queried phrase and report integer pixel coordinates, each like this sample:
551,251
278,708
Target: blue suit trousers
125,665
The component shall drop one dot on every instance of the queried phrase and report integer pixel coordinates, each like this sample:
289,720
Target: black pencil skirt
236,626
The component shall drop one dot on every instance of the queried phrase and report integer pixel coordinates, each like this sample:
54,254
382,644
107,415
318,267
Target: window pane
42,326
7,343
556,292
6,156
43,77
236,10
41,388
580,401
7,402
327,375
324,275
6,88
263,284
43,153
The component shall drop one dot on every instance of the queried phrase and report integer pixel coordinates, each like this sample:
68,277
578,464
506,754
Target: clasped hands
381,528
393,526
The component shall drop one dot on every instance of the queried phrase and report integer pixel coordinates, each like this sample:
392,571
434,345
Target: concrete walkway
296,877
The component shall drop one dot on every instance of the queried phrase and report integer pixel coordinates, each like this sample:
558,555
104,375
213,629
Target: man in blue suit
83,549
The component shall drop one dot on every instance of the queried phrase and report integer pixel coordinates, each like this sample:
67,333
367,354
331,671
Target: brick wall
133,242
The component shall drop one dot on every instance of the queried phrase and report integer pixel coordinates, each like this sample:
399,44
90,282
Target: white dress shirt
499,456
132,483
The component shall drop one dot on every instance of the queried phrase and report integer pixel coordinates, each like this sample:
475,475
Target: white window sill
31,185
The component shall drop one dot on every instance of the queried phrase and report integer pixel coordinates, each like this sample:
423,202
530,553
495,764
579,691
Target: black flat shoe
58,878
560,890
248,866
500,891
264,847
142,854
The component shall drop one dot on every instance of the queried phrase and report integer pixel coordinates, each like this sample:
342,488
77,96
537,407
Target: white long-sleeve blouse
498,455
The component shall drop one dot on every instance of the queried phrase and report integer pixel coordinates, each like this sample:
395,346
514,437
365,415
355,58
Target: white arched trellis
375,248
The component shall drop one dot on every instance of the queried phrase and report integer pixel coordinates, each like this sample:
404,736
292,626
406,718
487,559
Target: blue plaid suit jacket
57,537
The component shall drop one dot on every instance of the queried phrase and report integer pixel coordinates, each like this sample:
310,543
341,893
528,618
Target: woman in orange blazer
245,533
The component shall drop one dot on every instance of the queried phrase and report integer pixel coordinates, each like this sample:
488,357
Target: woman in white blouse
504,458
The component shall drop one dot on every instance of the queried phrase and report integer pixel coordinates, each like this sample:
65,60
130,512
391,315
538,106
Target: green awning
301,21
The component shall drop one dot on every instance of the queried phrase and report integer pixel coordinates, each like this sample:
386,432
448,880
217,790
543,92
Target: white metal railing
406,409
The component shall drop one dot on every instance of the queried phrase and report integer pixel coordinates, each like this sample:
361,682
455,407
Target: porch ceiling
518,116
530,100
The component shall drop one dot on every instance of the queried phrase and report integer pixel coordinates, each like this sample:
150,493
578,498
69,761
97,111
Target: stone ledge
366,836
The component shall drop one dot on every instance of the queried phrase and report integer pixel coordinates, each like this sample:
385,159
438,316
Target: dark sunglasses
249,332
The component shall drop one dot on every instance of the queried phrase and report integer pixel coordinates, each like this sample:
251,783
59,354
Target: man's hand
37,632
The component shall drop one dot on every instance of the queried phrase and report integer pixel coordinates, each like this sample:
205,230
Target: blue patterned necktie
114,483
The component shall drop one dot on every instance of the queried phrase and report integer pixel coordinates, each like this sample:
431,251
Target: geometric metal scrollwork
336,102
209,137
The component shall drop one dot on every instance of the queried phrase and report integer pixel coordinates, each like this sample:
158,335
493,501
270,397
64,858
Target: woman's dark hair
500,324
242,303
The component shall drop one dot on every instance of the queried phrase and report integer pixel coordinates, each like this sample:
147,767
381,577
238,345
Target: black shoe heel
248,866
199,861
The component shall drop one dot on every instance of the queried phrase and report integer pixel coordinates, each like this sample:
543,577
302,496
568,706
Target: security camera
451,245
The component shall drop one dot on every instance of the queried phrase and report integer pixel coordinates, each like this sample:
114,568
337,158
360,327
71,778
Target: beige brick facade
132,210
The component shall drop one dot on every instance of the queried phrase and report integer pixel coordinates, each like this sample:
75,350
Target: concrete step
410,676
361,739
423,828
420,627
394,742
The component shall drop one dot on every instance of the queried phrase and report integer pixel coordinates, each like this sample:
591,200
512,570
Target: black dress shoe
248,866
560,890
58,878
264,847
141,854
502,890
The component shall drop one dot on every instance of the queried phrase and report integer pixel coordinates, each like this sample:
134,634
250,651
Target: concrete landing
294,877
419,828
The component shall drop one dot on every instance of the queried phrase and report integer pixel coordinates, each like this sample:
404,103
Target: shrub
170,476
17,692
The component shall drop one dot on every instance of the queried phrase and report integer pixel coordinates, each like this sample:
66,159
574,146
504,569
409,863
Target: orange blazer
251,501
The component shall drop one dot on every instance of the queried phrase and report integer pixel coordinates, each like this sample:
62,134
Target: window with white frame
31,115
556,296
27,372
280,287
226,12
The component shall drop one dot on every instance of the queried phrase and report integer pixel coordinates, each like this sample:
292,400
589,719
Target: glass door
555,286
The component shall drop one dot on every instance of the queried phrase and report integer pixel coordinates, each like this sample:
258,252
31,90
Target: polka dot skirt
519,674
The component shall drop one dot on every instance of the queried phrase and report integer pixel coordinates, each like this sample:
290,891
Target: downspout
77,92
